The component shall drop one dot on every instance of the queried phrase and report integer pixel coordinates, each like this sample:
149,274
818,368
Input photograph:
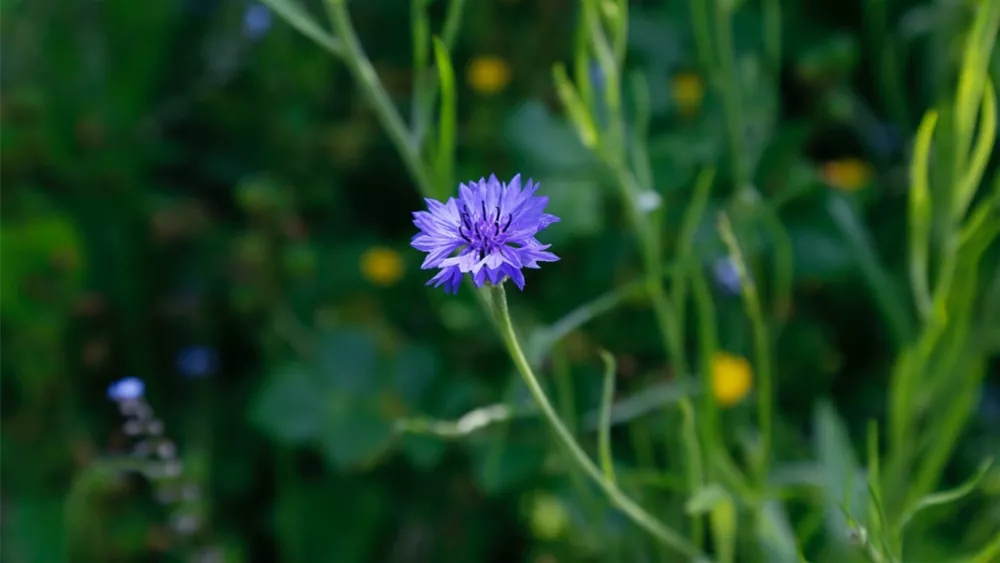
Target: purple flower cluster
491,226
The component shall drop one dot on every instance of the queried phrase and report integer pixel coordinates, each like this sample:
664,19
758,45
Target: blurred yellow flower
488,75
549,518
382,266
848,174
732,378
688,91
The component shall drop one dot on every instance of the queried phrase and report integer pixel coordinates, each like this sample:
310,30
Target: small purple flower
492,226
128,389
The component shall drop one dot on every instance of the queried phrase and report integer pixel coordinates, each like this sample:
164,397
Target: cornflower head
491,226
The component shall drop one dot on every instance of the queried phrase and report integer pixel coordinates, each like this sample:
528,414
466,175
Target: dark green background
170,181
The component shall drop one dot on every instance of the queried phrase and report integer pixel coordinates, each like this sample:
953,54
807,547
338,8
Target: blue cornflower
128,389
884,138
197,361
727,275
597,76
492,226
989,403
256,21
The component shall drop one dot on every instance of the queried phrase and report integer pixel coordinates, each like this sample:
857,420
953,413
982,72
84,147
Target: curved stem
498,301
762,347
361,68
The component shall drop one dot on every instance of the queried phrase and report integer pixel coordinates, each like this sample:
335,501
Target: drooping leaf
945,497
498,467
842,480
414,371
289,407
348,361
352,432
775,534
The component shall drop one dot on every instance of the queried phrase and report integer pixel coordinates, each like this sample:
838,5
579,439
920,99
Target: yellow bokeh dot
549,518
849,174
688,90
382,266
488,75
732,378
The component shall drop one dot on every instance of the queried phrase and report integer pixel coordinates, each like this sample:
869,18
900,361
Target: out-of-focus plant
753,187
716,485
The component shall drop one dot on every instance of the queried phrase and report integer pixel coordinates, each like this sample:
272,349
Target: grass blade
945,497
875,274
578,112
604,424
445,150
980,153
920,215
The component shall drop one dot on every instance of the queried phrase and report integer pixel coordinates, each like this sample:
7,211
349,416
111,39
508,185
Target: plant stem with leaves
498,300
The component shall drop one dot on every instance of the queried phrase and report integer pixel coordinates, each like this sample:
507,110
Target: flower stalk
497,298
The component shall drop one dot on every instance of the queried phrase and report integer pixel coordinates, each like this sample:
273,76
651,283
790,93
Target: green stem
772,34
666,318
565,397
695,471
728,85
428,89
361,68
643,519
702,35
762,347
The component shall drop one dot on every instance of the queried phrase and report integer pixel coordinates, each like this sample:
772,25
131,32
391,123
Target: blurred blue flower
256,21
128,389
885,139
989,403
196,361
727,275
596,76
483,224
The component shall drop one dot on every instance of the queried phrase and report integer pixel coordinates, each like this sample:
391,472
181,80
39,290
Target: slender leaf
604,417
578,113
920,215
974,71
980,153
420,24
945,497
640,131
543,340
718,504
988,554
445,155
876,276
705,499
647,401
840,470
775,534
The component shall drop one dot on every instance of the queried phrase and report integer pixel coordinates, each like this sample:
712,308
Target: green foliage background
196,179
